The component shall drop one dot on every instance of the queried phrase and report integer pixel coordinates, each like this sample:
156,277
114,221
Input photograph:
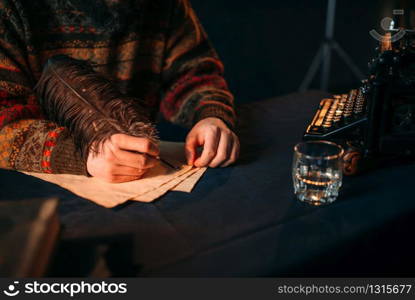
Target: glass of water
317,171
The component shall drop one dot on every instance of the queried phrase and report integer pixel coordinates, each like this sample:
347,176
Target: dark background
267,46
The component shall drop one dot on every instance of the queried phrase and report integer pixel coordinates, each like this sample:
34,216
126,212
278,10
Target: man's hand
220,144
116,161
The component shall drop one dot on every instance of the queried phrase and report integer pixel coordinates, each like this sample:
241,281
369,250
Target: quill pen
73,95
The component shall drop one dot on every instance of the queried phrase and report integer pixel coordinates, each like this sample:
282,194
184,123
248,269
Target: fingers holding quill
73,95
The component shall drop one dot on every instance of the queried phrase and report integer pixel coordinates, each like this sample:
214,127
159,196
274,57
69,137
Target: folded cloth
158,181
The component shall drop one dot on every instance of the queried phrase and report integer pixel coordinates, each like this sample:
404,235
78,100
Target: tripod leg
348,61
326,59
325,70
312,70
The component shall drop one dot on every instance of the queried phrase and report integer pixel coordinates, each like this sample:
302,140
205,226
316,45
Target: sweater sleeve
193,84
28,142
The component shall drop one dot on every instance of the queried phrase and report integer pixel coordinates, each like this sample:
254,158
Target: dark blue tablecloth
244,220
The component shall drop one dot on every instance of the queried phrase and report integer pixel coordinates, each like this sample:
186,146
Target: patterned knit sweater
155,50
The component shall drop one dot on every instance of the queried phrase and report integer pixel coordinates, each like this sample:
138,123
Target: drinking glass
317,171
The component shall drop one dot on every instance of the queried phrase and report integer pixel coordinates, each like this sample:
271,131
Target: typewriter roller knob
351,162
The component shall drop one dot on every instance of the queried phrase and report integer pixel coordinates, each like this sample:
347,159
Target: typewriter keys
336,112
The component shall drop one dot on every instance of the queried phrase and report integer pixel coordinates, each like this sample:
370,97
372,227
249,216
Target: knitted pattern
154,50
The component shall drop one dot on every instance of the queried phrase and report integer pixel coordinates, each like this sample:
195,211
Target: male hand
116,161
220,144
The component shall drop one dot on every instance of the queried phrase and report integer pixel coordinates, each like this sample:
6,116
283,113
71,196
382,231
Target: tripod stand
323,55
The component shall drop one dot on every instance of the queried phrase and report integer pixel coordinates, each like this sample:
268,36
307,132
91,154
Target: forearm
194,86
27,141
198,95
39,146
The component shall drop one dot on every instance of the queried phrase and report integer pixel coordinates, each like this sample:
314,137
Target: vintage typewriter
377,120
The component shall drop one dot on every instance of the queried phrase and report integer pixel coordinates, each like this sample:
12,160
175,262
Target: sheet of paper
161,190
156,182
190,182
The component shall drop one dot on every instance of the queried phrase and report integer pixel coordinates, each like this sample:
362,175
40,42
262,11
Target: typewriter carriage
376,121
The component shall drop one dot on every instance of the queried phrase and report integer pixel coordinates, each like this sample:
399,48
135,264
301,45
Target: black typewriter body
378,118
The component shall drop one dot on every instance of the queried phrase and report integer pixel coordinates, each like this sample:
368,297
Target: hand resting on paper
220,144
116,162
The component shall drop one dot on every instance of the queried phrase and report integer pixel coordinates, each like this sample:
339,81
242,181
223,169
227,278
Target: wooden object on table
28,234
